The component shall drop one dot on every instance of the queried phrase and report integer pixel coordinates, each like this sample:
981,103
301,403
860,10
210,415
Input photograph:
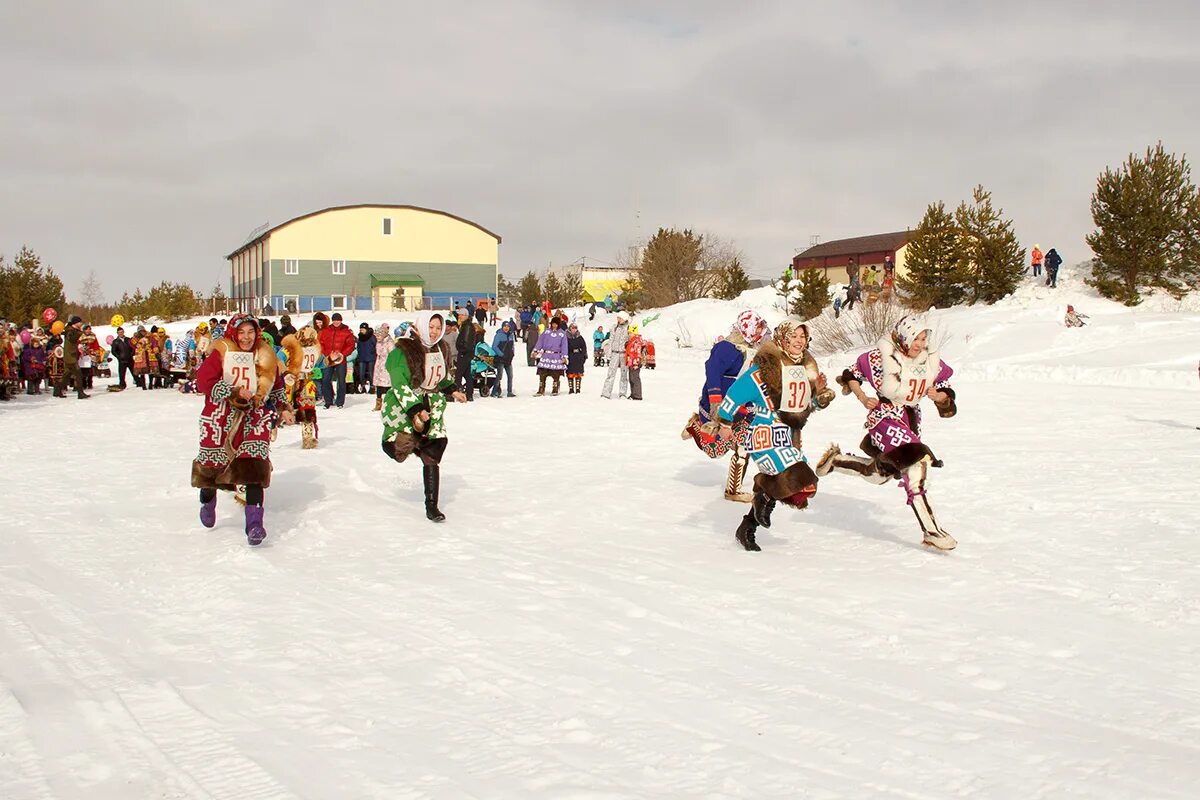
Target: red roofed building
833,257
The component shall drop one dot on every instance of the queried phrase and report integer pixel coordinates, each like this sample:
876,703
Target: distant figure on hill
1053,261
1035,256
1074,319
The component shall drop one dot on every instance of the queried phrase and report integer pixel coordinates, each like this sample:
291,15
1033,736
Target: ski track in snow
585,626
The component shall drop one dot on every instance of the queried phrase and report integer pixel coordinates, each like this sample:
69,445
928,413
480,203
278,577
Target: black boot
745,533
762,508
432,475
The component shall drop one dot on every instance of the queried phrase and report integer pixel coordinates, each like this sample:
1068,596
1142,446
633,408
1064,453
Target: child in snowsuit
1074,319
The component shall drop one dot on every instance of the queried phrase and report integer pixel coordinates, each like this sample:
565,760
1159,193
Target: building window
339,267
291,266
387,226
338,302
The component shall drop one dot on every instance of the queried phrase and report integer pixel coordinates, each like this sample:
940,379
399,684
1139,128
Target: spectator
286,328
552,357
526,320
88,347
633,362
852,271
889,268
576,359
616,357
122,351
853,295
33,362
71,360
481,315
1053,262
450,337
505,346
364,363
598,337
337,343
464,346
1035,257
380,379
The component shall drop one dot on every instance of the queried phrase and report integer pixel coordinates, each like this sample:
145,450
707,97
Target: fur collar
895,362
266,365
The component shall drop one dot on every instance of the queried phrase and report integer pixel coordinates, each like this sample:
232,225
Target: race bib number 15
239,371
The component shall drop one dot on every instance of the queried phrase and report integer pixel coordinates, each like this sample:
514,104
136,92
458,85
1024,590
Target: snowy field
585,626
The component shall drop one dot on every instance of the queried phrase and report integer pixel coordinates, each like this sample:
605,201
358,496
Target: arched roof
274,228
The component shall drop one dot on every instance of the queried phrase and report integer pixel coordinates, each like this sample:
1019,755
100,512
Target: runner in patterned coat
414,409
725,363
235,423
781,388
902,371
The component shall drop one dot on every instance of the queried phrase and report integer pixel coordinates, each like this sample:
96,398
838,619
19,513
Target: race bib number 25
239,371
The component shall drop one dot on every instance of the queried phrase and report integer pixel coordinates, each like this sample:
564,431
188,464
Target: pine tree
811,293
670,271
991,261
933,261
506,292
552,289
27,287
1147,217
572,289
529,289
631,294
733,281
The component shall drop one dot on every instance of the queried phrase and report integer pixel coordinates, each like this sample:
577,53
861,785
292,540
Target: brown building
834,257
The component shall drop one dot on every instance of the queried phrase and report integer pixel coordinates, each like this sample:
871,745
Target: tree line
28,286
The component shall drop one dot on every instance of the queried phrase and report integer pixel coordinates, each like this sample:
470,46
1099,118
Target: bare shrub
861,327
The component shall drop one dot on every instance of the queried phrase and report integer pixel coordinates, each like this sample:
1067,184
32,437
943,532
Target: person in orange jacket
1036,256
650,359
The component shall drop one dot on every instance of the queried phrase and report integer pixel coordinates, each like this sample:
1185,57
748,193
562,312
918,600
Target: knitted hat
907,330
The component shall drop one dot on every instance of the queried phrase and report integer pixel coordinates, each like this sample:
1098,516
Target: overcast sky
145,139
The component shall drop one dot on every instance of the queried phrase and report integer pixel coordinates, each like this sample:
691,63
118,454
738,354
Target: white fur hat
908,329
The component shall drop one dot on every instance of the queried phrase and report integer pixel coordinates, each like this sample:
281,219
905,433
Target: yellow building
367,258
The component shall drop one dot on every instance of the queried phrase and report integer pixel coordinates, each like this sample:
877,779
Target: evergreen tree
571,285
631,294
1147,217
670,271
733,280
27,287
506,292
552,289
529,289
933,261
991,261
811,294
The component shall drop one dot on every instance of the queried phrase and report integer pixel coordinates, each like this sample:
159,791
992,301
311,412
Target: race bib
797,393
309,362
435,370
239,370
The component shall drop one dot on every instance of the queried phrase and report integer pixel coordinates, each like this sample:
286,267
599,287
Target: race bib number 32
239,370
796,391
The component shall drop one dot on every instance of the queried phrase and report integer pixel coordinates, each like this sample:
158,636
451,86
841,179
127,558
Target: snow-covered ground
585,626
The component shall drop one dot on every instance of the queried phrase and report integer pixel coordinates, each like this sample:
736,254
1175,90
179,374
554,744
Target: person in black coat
364,360
577,355
122,351
1053,262
505,345
468,337
285,327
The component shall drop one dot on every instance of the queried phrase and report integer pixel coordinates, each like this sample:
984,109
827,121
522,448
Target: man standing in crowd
465,349
337,342
122,351
505,345
285,327
71,360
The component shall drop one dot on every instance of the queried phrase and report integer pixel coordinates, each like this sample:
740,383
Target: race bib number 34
239,370
796,391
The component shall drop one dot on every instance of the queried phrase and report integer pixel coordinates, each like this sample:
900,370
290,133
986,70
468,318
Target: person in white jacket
616,360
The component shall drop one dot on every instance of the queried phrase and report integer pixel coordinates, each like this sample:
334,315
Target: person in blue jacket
504,343
724,365
599,337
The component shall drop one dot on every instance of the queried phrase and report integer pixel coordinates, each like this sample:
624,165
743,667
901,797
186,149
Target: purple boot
208,513
255,532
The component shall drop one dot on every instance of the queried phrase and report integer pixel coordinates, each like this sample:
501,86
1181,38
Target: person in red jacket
634,356
337,342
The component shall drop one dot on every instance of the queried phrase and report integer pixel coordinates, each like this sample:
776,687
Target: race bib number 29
239,371
309,362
